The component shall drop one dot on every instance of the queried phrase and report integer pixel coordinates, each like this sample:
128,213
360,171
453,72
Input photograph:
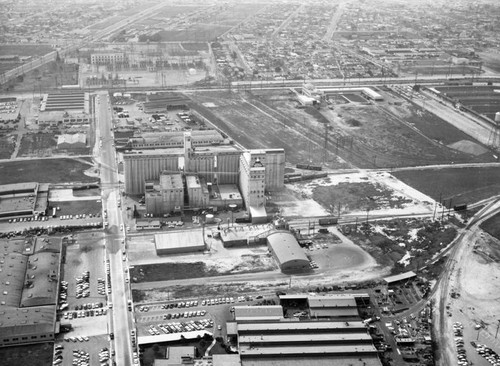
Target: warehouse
287,252
400,278
179,242
23,199
333,307
258,313
300,342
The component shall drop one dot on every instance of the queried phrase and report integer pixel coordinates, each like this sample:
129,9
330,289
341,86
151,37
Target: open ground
63,170
366,135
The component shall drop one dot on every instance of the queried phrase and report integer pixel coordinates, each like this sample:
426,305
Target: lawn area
195,46
461,185
196,32
45,171
492,226
33,355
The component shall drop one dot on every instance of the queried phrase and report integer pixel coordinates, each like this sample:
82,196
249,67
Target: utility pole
498,326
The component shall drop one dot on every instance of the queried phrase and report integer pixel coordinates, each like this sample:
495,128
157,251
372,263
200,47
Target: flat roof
8,188
26,321
355,295
179,239
323,360
193,181
180,151
292,326
400,277
258,311
334,312
12,275
243,232
229,192
331,302
171,181
43,273
308,350
295,338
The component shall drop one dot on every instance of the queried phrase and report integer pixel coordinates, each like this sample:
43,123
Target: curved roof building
288,253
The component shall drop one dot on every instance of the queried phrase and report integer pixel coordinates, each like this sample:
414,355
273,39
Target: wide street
121,324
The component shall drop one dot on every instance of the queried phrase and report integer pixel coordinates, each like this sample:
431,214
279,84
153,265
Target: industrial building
176,242
23,200
72,141
287,252
212,176
400,278
172,139
107,58
162,102
289,342
258,313
29,277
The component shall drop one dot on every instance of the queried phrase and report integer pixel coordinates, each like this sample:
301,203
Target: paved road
111,195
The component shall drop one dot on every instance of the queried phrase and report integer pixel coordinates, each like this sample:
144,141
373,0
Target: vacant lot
33,355
38,144
492,226
25,50
405,244
462,185
45,171
7,146
196,32
255,126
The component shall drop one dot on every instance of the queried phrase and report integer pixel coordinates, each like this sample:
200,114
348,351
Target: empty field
6,147
37,144
45,171
195,32
461,185
25,50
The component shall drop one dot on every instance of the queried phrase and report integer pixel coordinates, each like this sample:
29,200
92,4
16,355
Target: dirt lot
7,146
365,135
38,144
492,226
462,185
45,171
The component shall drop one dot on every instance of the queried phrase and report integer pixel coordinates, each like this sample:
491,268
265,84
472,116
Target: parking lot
83,350
188,315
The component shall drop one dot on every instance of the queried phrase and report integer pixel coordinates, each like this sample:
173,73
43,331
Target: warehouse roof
285,247
179,239
290,326
400,277
13,269
271,312
334,312
331,302
27,321
42,274
299,338
171,337
308,350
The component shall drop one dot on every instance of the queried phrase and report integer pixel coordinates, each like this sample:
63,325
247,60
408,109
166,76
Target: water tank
209,218
497,117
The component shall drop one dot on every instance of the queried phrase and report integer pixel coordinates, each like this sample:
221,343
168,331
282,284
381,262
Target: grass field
44,171
196,32
33,355
492,226
195,46
355,196
6,147
37,144
25,50
461,185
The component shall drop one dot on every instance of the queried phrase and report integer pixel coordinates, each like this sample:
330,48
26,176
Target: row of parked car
181,327
58,357
187,314
84,313
491,356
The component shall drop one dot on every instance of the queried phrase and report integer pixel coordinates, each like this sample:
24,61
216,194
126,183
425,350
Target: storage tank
209,218
497,117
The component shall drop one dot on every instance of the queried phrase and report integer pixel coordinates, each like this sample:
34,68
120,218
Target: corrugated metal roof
285,247
241,312
294,338
290,326
331,302
400,277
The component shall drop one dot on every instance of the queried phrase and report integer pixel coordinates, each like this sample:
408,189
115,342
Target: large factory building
211,175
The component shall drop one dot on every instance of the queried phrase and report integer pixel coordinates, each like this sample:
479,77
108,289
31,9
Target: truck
328,221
